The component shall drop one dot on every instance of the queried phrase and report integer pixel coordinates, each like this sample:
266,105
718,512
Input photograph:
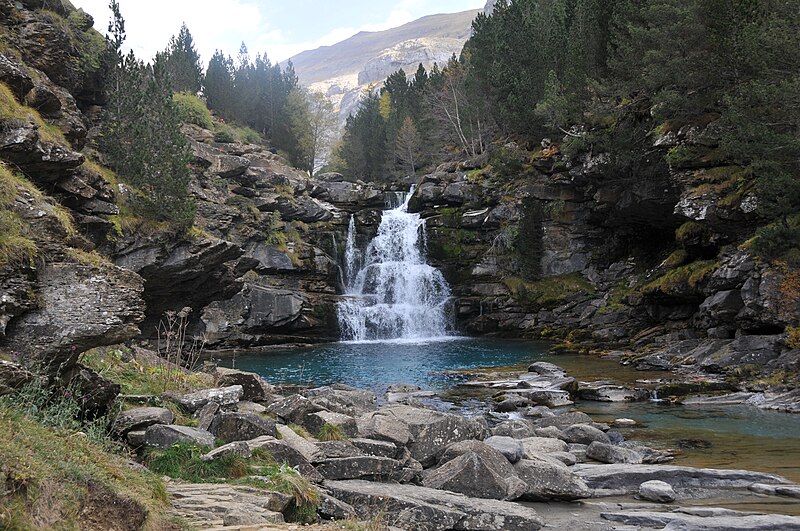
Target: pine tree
181,62
218,84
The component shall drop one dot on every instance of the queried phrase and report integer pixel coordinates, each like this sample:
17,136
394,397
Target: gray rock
551,432
343,399
585,434
223,396
542,445
293,408
721,521
140,418
475,468
246,406
240,448
338,449
314,422
376,448
12,376
163,436
548,481
330,507
424,509
135,438
517,429
361,467
625,479
547,369
254,387
205,415
230,427
607,453
564,420
433,430
611,393
295,441
250,516
565,457
283,453
512,449
657,491
539,412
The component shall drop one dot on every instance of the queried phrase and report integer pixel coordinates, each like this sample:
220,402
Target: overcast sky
281,28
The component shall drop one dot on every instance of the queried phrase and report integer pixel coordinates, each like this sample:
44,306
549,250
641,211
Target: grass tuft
331,432
548,292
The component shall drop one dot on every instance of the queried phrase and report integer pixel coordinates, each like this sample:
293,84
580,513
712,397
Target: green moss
49,473
676,259
13,111
90,258
227,133
548,292
688,231
688,276
191,109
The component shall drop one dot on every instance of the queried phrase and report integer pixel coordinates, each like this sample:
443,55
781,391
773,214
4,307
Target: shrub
777,241
191,109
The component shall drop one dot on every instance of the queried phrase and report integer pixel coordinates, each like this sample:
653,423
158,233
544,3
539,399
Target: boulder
542,445
140,418
711,519
382,427
331,508
343,399
315,422
564,420
12,377
230,427
548,481
608,453
163,436
361,467
337,449
517,429
584,434
15,77
475,468
246,406
254,387
295,441
433,430
512,449
293,408
95,394
205,415
550,432
424,509
376,448
657,491
283,453
223,396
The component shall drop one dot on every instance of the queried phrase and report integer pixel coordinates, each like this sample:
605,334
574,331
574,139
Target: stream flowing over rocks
421,468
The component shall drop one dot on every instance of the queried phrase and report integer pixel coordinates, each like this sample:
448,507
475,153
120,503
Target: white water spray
395,294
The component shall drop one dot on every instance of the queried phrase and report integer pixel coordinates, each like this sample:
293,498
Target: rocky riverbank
395,459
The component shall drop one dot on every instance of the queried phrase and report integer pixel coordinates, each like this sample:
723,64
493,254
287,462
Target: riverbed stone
551,432
343,399
542,445
230,426
657,491
689,519
548,481
377,425
564,420
425,509
517,428
608,453
512,449
224,396
585,434
163,436
483,475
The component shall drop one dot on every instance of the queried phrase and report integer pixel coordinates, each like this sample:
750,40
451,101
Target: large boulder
163,436
283,453
293,408
546,480
295,441
433,430
512,449
585,434
424,509
608,453
360,467
542,445
477,469
343,399
315,422
231,427
382,427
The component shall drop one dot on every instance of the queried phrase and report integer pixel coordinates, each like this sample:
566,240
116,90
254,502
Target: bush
778,241
192,110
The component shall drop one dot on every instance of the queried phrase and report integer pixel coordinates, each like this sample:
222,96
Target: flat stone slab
618,479
712,521
208,505
424,509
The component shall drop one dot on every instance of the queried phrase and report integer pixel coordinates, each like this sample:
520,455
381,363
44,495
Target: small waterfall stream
391,292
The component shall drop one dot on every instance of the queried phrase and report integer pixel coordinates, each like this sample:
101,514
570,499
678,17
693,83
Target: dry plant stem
173,349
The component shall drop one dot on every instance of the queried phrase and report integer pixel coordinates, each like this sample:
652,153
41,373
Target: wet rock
254,387
223,396
231,427
140,418
512,449
607,453
548,481
360,467
163,436
424,509
611,393
657,491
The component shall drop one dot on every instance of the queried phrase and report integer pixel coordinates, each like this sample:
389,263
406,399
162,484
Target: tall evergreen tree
181,62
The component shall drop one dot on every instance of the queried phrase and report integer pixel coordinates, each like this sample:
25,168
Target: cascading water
393,293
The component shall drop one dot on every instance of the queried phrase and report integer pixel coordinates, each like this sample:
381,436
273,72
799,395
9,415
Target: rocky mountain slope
343,70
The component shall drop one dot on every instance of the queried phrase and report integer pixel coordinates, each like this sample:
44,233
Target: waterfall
351,254
393,293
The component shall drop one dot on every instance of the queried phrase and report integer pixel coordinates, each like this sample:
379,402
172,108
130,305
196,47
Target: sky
279,28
